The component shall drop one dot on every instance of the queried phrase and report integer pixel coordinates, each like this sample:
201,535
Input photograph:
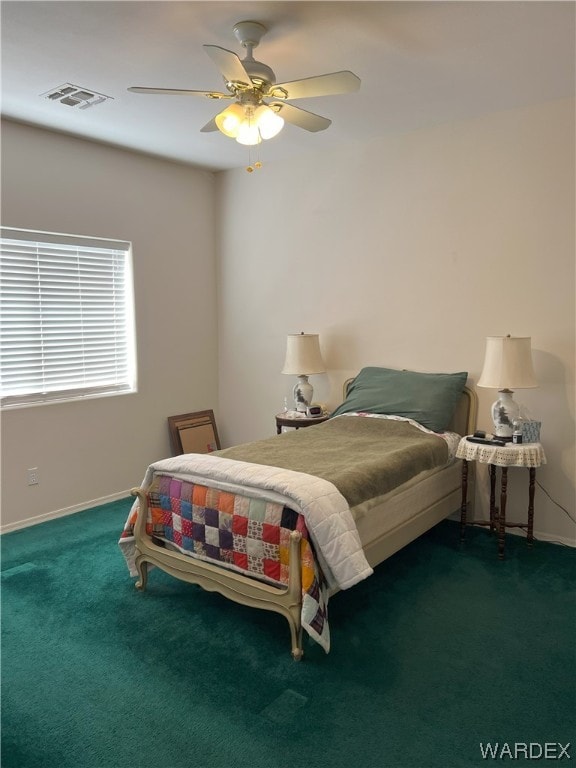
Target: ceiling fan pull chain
258,164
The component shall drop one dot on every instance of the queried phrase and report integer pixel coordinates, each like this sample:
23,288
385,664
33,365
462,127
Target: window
66,317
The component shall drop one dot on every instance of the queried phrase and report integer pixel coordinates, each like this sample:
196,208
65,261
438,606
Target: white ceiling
421,63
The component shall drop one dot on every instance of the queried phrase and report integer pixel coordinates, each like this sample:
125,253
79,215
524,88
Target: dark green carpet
442,649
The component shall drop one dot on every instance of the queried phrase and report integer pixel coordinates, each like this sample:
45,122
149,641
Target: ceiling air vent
74,96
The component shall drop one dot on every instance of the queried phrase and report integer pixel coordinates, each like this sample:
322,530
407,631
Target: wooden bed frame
441,489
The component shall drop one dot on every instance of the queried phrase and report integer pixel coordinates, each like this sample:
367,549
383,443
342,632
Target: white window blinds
67,318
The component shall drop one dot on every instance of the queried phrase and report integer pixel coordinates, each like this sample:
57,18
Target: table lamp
507,366
303,358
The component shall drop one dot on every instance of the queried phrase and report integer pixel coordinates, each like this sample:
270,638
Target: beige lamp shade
508,363
303,356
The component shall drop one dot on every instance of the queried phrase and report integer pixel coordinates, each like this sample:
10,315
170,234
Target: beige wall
408,252
92,450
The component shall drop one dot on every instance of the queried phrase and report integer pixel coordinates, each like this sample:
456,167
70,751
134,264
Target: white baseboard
63,512
538,535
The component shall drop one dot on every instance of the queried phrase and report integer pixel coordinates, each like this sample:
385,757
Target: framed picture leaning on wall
193,433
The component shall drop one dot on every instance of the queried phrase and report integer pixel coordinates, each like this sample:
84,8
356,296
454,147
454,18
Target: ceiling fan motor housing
249,34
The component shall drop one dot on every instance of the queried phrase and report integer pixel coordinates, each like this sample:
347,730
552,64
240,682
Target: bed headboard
464,419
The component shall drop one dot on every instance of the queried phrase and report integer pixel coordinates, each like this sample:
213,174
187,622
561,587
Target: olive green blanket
363,457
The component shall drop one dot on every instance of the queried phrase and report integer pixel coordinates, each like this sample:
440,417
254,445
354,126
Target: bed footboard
286,600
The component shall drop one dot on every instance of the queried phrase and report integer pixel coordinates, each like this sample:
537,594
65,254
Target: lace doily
510,455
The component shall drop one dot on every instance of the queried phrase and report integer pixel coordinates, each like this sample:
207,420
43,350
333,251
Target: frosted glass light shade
269,122
248,133
230,120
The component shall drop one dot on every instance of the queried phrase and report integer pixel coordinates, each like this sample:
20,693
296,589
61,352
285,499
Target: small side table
529,455
286,421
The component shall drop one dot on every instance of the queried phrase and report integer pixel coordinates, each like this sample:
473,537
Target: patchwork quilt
250,531
251,536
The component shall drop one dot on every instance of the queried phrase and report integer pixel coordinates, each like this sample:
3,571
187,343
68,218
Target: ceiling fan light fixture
230,120
268,121
250,83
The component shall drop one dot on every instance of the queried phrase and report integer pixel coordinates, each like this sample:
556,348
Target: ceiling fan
260,105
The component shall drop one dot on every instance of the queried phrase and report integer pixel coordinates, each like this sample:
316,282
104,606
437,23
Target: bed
284,523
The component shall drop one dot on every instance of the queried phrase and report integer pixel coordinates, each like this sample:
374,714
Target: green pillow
428,398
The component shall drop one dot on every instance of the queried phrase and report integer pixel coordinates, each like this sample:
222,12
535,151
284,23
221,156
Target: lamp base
303,392
504,412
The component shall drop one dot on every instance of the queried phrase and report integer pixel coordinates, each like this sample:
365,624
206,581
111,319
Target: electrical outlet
33,477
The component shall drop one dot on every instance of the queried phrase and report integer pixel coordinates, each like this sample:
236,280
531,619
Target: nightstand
527,455
286,421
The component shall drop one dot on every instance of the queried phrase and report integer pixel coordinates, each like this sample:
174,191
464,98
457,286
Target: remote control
486,441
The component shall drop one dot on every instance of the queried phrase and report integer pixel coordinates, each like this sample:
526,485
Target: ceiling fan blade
300,117
322,85
210,126
180,92
229,65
